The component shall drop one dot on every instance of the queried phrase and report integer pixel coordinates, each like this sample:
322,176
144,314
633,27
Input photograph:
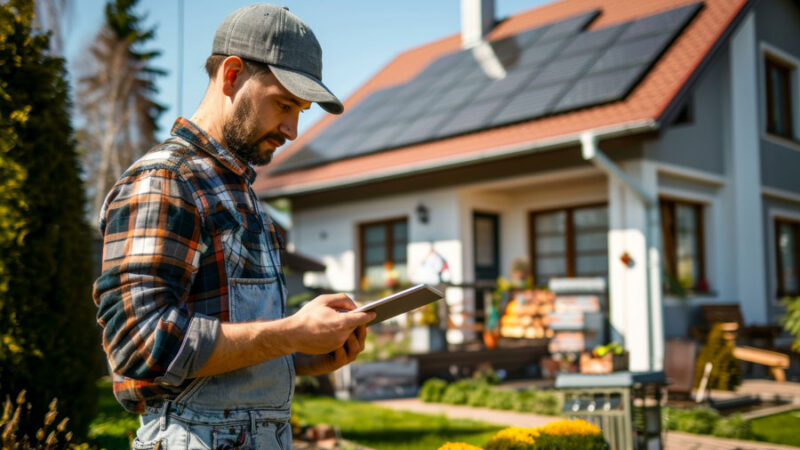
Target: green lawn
362,423
382,428
779,428
113,428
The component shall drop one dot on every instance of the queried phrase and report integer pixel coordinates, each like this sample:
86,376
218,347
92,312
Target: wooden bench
777,362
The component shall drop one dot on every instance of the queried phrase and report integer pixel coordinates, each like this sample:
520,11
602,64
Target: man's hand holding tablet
401,302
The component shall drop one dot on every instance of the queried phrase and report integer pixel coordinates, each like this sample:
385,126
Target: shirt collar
186,129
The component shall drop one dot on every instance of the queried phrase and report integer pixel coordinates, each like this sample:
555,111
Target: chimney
477,20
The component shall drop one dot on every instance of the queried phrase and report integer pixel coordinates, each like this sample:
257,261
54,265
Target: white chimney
477,20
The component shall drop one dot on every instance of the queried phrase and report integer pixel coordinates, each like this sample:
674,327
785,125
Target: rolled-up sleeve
152,245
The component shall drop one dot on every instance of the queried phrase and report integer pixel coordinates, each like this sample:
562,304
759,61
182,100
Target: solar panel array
548,70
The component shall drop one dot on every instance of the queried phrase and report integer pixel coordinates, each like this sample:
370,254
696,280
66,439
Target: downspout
592,153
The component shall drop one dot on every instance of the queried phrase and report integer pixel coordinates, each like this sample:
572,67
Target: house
655,144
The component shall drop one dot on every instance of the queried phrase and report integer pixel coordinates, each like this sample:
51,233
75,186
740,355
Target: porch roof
651,101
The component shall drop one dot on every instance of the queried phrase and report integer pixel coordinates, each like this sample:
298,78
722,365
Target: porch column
743,193
635,289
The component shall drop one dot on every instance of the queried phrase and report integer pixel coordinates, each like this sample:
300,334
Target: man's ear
231,73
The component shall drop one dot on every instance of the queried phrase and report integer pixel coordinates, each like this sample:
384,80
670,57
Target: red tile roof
646,102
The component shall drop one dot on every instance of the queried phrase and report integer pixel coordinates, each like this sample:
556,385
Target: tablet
401,302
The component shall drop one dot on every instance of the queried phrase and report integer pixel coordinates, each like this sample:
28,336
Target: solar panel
564,69
422,129
457,96
569,26
632,52
471,116
530,103
672,20
515,81
550,69
593,40
539,53
600,88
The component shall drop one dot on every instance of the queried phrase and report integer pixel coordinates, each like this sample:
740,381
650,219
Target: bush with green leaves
49,339
480,396
693,420
432,390
458,392
476,393
501,399
791,320
733,427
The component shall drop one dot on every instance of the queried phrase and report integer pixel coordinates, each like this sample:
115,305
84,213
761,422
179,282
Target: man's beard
240,135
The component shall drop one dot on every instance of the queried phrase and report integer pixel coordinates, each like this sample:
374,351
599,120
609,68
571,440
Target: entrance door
486,255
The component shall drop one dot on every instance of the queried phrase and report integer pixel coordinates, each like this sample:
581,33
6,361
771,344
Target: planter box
610,362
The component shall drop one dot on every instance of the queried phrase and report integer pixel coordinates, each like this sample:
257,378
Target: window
682,237
570,243
384,254
778,76
788,251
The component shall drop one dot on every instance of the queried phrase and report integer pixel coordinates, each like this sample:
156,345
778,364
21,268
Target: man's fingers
361,333
355,319
338,301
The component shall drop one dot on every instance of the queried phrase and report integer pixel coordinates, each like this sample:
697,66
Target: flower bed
561,434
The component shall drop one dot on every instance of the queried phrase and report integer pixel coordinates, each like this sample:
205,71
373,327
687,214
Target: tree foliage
117,98
48,336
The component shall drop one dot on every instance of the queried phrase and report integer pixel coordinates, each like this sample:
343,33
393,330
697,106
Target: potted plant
604,359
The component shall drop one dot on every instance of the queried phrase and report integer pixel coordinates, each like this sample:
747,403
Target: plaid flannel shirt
164,287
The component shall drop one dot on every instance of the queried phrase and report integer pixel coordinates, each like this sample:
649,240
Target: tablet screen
401,302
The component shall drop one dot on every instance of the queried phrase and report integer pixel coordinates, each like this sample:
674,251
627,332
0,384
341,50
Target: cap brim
308,88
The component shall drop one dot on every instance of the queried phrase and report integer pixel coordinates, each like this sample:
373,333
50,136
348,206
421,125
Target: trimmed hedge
478,393
706,421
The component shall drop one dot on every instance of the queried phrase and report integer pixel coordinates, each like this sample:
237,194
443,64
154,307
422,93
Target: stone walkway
673,440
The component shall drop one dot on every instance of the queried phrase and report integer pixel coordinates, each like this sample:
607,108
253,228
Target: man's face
264,116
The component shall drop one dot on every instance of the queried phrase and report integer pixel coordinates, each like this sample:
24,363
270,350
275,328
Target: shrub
480,396
475,392
457,393
432,390
733,427
49,340
695,420
501,399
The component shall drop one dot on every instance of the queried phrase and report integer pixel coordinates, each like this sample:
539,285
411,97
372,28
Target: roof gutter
490,154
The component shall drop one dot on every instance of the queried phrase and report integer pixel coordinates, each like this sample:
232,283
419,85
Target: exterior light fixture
422,213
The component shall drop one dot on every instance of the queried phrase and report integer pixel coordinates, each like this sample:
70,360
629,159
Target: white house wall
330,234
513,199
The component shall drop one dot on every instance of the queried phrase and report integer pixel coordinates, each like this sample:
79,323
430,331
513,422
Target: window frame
795,223
569,238
670,253
787,69
389,244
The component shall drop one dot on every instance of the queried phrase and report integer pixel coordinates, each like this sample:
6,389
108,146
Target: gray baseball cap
274,36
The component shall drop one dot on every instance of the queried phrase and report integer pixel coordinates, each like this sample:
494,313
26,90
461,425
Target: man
192,298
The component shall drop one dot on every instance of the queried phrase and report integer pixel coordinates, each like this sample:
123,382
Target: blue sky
358,37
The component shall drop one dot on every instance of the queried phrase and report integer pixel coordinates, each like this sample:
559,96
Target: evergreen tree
49,339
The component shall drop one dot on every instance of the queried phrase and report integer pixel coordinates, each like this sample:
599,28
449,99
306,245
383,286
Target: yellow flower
513,438
569,428
458,446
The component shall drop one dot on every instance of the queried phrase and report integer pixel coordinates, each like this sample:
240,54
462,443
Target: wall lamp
422,213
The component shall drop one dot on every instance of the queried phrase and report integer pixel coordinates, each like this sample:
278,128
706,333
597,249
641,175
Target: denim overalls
246,408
